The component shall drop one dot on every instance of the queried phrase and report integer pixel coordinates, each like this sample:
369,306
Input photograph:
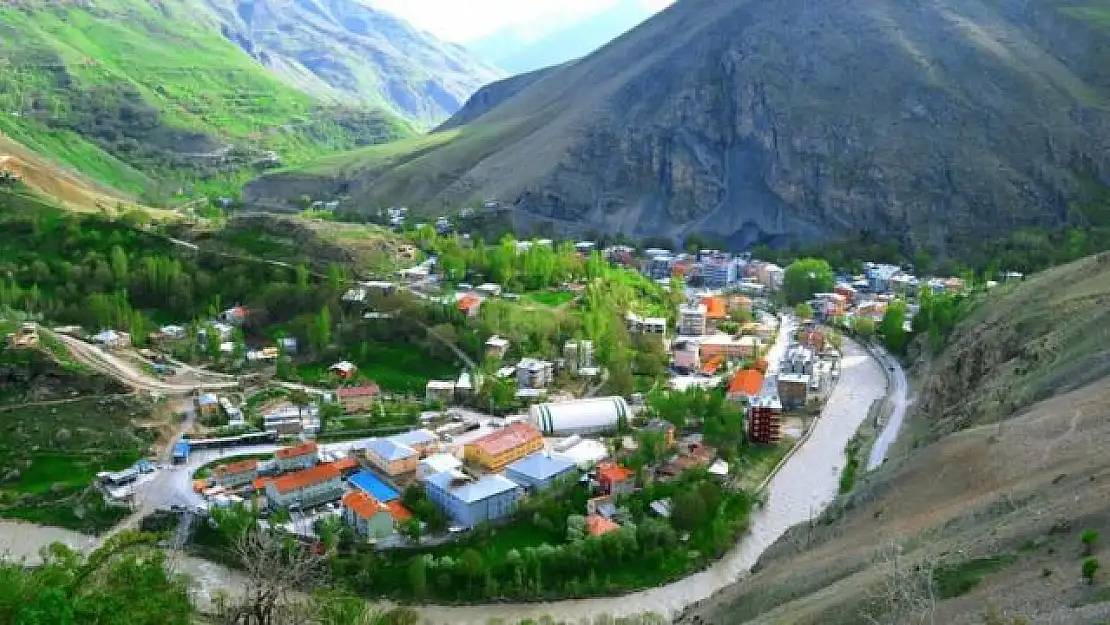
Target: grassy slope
1000,508
193,77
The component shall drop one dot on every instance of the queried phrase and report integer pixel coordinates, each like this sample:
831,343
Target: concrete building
745,386
646,325
793,390
436,463
355,399
578,354
371,518
534,373
469,501
580,416
660,265
208,404
692,319
390,457
421,440
730,348
765,420
614,479
298,457
798,359
509,444
440,390
687,355
719,271
496,346
306,488
235,474
539,471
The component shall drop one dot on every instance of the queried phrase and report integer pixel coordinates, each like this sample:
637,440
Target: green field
553,299
395,368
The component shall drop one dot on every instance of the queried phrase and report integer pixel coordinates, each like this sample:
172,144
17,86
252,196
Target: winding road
900,400
801,490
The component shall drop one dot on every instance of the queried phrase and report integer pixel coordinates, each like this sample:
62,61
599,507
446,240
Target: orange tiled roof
466,302
598,525
346,464
399,512
711,366
715,307
366,506
243,466
612,472
507,438
746,382
260,483
300,479
300,450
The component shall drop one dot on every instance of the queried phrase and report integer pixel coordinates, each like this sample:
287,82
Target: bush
1090,567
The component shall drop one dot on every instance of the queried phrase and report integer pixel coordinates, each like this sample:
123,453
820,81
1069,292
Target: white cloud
466,20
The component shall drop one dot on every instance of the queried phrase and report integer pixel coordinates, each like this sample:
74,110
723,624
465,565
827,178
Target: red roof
367,507
611,472
346,464
364,390
710,367
746,382
260,483
715,308
509,437
300,479
300,450
466,302
243,466
598,525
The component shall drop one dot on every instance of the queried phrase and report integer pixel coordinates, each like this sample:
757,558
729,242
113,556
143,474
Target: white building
437,463
580,416
691,320
534,374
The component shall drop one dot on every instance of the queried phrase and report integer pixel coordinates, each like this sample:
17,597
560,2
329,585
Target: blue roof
469,490
206,399
540,466
390,450
374,486
415,437
181,448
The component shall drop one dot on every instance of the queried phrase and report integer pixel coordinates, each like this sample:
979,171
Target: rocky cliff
937,123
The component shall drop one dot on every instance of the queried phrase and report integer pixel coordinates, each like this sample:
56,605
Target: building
798,359
793,390
299,457
539,471
770,275
371,518
181,452
489,289
578,355
496,346
646,325
660,265
469,501
765,420
586,453
691,319
597,525
373,485
344,369
813,338
879,275
509,444
233,413
390,457
579,416
421,440
437,463
534,373
729,348
613,479
208,405
288,419
26,337
469,305
687,355
235,474
355,399
847,291
716,311
112,339
745,385
305,488
439,390
236,315
718,271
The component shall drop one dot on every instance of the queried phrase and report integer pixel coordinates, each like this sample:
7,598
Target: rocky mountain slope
518,53
935,123
347,51
150,99
983,509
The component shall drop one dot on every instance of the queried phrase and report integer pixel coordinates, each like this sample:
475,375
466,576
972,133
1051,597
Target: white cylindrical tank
581,416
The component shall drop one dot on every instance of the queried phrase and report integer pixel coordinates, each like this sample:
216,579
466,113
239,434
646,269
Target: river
801,490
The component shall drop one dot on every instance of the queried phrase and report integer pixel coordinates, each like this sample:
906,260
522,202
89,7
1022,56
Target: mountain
149,99
783,121
982,510
347,51
518,53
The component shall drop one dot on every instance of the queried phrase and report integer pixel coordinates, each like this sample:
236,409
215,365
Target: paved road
900,400
801,490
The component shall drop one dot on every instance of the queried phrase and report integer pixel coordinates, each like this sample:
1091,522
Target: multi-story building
509,444
718,271
533,373
469,501
660,266
235,474
793,389
539,471
390,457
691,319
308,487
765,420
355,399
799,359
298,457
371,518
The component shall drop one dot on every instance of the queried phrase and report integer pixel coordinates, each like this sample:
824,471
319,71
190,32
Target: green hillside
149,101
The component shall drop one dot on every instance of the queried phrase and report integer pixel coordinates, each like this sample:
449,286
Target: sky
461,21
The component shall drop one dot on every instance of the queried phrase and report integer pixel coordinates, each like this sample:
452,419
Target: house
360,398
288,419
509,444
687,355
235,474
730,348
813,338
716,311
489,289
765,420
645,325
745,385
469,305
879,275
421,440
469,501
496,346
597,525
208,405
344,369
740,302
390,457
347,465
793,389
578,354
172,333
288,344
305,488
613,479
847,291
661,507
235,316
692,319
371,518
439,390
356,295
298,457
112,339
437,463
534,373
539,471
464,385
373,485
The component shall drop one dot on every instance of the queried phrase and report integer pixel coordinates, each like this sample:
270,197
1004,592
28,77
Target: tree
1090,568
806,277
803,311
893,327
275,569
301,399
864,327
319,332
418,575
1089,538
